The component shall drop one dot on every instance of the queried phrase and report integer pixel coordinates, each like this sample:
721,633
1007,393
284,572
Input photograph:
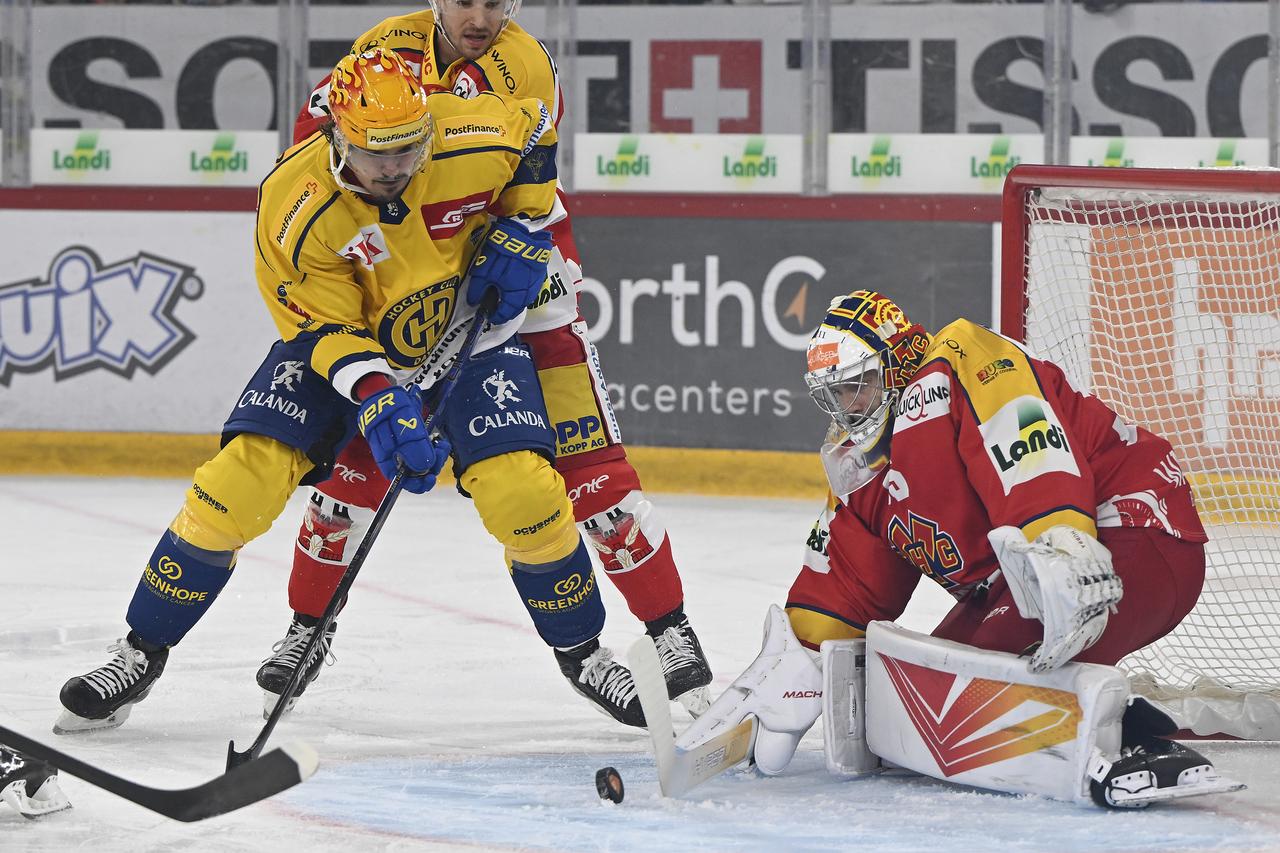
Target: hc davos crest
87,316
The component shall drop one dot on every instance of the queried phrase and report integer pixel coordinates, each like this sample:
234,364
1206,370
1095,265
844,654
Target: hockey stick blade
248,783
681,770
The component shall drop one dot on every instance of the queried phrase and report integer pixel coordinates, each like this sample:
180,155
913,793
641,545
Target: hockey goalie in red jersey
1068,537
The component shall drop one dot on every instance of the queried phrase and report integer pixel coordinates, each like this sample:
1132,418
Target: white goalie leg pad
966,715
782,689
844,708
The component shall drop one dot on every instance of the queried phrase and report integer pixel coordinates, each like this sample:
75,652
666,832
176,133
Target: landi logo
754,163
222,157
1114,156
85,157
87,315
1226,155
998,163
879,163
628,162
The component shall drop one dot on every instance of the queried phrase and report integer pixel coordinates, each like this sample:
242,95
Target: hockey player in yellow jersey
375,241
473,47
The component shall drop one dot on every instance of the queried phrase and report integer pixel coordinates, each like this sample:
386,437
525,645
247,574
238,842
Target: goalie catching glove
513,261
782,688
1064,579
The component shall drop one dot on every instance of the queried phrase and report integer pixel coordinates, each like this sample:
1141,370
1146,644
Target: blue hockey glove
391,421
512,260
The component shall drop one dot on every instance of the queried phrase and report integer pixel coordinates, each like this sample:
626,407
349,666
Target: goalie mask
861,357
381,127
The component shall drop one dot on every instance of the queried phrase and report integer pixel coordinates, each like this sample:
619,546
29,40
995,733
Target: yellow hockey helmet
377,102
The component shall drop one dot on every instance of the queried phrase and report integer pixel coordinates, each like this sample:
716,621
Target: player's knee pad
562,598
522,502
178,585
236,495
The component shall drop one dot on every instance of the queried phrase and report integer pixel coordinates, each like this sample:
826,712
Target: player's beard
387,189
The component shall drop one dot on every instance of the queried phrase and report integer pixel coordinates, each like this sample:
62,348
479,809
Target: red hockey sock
652,589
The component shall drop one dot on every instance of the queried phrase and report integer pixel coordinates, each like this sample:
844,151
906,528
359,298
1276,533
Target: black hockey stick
264,777
447,384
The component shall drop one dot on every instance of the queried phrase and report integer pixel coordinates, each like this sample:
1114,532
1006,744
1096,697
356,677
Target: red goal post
1158,290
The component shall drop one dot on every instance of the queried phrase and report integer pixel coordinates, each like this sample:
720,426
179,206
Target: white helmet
861,357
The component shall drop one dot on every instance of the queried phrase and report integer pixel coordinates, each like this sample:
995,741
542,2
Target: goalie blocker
981,718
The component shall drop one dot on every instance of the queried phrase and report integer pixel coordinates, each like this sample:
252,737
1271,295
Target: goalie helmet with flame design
860,359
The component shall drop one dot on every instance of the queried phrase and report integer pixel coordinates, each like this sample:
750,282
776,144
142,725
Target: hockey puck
609,784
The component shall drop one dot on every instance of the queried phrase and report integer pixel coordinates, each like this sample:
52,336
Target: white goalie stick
248,783
680,770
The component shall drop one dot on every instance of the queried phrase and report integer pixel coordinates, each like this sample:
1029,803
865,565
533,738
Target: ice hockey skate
684,666
275,672
30,786
1151,768
104,697
592,671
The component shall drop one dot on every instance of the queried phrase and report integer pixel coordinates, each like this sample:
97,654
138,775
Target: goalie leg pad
975,717
844,708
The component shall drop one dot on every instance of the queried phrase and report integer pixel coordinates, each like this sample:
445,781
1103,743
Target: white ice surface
444,724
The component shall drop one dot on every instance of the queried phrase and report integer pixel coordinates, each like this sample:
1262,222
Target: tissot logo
958,724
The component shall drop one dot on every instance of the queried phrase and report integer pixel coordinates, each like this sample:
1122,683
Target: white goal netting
1166,305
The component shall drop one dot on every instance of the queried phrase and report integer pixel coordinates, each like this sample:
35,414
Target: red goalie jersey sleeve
984,436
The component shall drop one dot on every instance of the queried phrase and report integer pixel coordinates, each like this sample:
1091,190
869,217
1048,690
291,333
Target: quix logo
87,316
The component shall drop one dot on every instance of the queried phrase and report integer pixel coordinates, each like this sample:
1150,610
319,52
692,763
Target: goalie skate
29,786
1152,771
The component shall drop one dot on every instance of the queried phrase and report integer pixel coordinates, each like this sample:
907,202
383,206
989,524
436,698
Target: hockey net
1159,292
